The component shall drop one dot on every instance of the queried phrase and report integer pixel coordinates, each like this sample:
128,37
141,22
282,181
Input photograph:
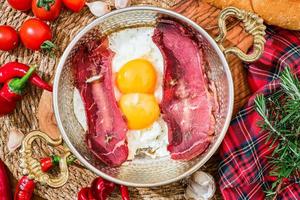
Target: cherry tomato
74,5
22,5
36,34
46,9
9,38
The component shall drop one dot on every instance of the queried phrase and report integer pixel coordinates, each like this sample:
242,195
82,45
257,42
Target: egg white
153,141
134,43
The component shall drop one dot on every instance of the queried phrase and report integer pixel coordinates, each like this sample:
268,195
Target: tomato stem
48,45
45,4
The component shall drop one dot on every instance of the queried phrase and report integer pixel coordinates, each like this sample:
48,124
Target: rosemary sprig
281,118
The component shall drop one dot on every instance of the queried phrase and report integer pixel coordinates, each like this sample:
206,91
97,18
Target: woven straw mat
64,29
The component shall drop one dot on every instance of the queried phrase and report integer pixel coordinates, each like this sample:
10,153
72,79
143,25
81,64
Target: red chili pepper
12,91
124,192
90,195
14,69
46,164
101,188
25,188
49,162
85,194
5,193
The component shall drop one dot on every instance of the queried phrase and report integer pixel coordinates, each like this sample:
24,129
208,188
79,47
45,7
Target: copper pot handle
32,167
253,25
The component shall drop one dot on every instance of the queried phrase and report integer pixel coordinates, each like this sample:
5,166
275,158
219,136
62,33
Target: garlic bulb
98,8
201,186
122,3
15,139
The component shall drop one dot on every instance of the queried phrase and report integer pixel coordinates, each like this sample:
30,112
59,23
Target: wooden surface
202,13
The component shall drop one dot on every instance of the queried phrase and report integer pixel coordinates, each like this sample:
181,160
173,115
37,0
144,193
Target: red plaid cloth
244,165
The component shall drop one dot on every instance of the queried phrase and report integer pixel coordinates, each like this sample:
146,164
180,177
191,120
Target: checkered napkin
244,168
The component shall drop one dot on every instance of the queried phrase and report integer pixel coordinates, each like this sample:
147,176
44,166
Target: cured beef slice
187,104
106,135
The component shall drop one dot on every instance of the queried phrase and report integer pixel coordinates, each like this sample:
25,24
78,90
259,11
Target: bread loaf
283,13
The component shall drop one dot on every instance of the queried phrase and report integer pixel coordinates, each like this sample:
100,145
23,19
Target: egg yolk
140,110
136,76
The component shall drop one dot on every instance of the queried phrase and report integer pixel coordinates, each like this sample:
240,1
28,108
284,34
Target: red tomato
9,38
74,5
46,10
34,33
22,5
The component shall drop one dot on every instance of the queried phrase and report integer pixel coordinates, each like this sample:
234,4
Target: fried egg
138,68
137,57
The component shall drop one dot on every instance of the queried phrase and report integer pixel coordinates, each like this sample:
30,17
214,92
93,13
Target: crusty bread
283,13
242,4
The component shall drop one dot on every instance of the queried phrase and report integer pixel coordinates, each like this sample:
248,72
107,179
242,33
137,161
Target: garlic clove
122,3
202,178
201,186
191,195
202,191
15,139
98,8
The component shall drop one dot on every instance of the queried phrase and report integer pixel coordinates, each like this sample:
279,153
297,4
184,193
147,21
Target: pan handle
32,167
253,25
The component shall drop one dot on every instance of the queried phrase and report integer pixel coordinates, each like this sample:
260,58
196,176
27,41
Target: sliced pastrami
106,135
187,104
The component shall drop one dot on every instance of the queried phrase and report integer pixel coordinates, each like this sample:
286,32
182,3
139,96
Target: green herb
281,118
